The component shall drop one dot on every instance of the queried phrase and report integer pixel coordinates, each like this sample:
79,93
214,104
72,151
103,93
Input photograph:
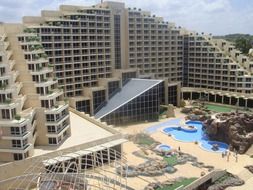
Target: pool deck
155,128
208,158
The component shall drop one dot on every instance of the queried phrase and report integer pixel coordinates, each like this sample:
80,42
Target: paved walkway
250,151
154,128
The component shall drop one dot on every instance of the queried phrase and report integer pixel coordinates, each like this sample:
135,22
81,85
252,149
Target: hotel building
108,61
32,107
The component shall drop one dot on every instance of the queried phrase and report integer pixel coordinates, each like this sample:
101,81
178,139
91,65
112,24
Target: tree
243,45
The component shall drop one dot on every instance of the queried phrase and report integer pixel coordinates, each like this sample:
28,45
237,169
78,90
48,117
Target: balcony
11,64
38,51
58,132
12,103
6,45
9,54
52,94
5,76
57,109
17,150
46,82
59,120
28,113
43,70
40,60
15,74
22,136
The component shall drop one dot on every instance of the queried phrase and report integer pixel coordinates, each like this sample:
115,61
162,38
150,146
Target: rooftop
82,131
129,91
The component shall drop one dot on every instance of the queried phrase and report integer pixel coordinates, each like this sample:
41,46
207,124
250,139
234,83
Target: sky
218,17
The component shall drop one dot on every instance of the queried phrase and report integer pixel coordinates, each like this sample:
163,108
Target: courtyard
137,154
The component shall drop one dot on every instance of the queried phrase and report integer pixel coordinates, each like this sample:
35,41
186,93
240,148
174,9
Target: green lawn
145,140
218,108
172,161
184,182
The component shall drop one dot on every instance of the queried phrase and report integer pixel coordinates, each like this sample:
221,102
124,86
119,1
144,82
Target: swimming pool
163,147
196,135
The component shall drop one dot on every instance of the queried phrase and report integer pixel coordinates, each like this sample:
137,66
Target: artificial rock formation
250,168
196,113
235,129
228,180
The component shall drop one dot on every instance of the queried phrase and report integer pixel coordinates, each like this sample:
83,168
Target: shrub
2,86
17,117
8,101
182,103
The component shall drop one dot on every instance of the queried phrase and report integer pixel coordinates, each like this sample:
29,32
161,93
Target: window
52,141
50,117
16,143
51,129
5,114
15,131
113,87
83,106
17,156
18,130
64,112
1,58
98,99
45,103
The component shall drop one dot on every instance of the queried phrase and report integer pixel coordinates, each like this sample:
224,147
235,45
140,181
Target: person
179,149
228,155
236,156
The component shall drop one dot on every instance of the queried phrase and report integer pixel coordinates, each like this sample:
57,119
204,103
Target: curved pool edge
218,151
192,121
182,128
171,135
162,144
200,143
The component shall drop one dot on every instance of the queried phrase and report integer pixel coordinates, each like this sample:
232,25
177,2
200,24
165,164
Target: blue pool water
192,136
164,147
154,128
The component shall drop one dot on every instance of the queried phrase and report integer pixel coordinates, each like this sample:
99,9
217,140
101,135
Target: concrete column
191,95
101,157
80,163
222,99
166,91
246,103
215,98
63,166
179,94
94,160
230,100
108,155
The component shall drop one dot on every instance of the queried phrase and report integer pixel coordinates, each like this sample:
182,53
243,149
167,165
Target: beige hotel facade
82,56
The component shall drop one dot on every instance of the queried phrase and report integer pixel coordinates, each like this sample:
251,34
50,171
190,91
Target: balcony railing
60,130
